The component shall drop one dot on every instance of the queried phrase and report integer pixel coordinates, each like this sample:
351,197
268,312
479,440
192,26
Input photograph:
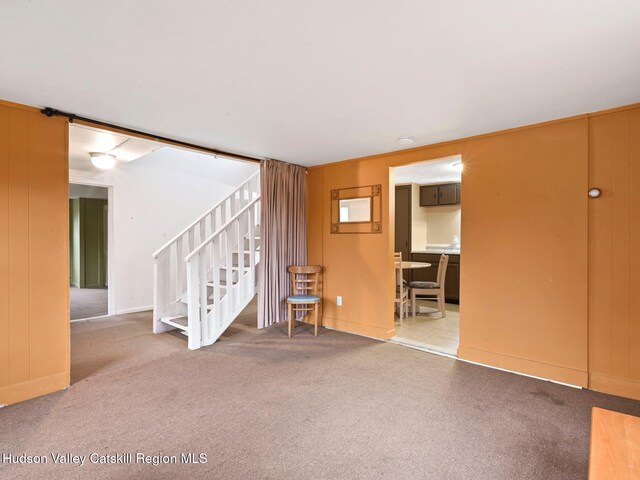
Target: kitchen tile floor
430,330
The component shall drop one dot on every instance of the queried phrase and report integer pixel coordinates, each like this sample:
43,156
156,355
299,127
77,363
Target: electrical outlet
339,300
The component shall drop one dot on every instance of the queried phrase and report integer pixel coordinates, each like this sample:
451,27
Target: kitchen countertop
439,249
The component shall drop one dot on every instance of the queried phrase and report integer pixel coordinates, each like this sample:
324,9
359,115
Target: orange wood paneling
34,325
314,210
48,225
634,245
314,229
524,244
524,253
19,244
614,253
600,273
5,291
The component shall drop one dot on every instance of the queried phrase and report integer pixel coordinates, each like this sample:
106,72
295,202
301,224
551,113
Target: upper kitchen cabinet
428,195
445,194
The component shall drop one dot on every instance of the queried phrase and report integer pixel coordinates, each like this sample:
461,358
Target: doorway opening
428,212
88,251
169,201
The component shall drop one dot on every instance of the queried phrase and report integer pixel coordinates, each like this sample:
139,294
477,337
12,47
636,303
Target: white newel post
252,251
161,291
193,295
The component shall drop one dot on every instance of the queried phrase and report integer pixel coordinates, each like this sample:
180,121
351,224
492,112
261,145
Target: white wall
154,198
87,191
443,222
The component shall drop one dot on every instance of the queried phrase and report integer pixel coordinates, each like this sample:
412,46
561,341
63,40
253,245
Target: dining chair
402,293
305,298
431,289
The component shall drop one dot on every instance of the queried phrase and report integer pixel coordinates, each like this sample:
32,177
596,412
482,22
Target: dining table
409,264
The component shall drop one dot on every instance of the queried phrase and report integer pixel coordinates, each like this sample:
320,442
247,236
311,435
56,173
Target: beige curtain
283,235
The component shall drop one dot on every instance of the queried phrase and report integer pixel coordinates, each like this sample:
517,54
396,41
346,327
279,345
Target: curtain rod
52,112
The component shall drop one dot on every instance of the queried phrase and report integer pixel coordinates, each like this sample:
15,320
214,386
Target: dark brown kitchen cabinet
452,279
428,195
445,194
448,194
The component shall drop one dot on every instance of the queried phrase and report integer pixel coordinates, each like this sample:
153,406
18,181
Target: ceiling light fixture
457,166
406,140
103,161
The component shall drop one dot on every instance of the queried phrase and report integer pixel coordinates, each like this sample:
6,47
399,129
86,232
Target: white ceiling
84,140
433,171
314,82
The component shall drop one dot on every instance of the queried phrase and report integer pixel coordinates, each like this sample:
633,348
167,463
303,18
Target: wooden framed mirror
357,209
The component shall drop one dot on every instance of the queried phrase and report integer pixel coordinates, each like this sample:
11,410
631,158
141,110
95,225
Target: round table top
415,264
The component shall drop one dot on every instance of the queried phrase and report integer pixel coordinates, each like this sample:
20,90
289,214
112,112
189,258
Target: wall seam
28,259
630,223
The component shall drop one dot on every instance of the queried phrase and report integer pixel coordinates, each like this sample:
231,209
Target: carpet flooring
88,302
261,405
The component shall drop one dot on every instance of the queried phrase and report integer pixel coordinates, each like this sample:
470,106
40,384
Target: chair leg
413,302
290,315
441,305
315,321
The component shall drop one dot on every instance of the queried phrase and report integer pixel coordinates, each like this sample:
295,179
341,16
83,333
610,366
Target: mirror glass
355,210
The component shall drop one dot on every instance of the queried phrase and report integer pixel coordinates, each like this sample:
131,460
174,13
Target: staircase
207,274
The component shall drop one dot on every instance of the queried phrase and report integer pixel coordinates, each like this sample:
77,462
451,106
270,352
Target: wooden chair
432,289
402,293
304,280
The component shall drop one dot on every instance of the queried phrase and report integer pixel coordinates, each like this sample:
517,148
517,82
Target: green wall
87,243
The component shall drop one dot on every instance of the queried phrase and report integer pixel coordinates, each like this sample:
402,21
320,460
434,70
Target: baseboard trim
533,368
33,388
119,312
125,311
379,333
623,387
99,317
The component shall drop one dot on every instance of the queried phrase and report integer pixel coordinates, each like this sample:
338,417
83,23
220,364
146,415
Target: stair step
173,321
247,251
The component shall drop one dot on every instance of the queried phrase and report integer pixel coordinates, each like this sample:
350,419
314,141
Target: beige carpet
88,302
260,405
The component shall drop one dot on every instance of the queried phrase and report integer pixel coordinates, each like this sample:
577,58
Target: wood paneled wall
550,280
524,248
614,253
34,263
536,252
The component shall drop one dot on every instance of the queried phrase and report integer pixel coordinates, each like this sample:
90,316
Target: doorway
88,251
428,211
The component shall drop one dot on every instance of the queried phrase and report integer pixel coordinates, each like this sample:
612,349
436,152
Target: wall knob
594,193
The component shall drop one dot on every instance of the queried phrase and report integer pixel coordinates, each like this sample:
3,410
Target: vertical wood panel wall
614,253
524,248
34,293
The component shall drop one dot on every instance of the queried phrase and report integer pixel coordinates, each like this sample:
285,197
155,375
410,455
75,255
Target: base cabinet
452,279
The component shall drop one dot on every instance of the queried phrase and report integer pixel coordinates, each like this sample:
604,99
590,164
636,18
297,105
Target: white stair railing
222,276
170,269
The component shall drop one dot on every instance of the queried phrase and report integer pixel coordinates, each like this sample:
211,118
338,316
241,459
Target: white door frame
111,247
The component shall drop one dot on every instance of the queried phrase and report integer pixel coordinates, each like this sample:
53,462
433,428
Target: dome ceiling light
103,161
